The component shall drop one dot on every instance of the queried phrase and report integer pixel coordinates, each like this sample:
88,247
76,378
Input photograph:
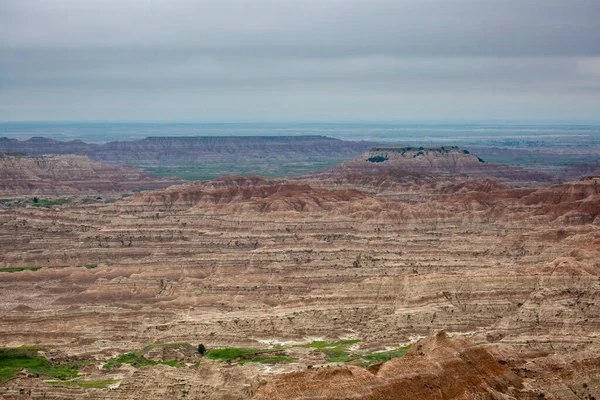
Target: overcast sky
299,60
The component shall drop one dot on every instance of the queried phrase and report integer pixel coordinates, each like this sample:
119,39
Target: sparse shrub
201,349
377,159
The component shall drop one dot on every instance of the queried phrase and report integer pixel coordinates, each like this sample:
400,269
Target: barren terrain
313,287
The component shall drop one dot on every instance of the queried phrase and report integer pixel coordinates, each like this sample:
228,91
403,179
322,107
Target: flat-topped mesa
429,159
443,160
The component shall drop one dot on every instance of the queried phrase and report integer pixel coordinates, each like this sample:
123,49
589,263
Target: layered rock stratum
70,175
445,161
319,276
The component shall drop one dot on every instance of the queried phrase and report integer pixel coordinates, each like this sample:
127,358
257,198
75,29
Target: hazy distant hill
56,175
206,156
177,150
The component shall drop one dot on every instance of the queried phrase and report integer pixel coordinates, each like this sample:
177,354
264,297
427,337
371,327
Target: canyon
405,273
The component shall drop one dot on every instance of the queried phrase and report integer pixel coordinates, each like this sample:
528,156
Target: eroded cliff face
248,262
70,175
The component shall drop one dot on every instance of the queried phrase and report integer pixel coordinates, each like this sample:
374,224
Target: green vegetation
19,269
338,352
137,359
12,360
271,168
84,384
47,203
377,159
243,356
386,355
335,351
233,353
38,267
30,268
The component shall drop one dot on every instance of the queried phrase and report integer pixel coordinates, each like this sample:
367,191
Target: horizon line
332,122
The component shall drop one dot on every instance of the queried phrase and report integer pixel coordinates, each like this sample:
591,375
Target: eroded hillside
308,275
70,175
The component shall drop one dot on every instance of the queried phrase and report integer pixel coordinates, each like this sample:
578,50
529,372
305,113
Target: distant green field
268,168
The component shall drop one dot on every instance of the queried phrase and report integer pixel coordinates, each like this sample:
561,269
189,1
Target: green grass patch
335,351
47,203
386,355
84,384
137,359
38,267
12,360
232,353
338,356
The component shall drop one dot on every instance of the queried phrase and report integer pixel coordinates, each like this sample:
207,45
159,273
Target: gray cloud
273,60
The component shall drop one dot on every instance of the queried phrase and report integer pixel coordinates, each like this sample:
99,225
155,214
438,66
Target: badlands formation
377,279
57,175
